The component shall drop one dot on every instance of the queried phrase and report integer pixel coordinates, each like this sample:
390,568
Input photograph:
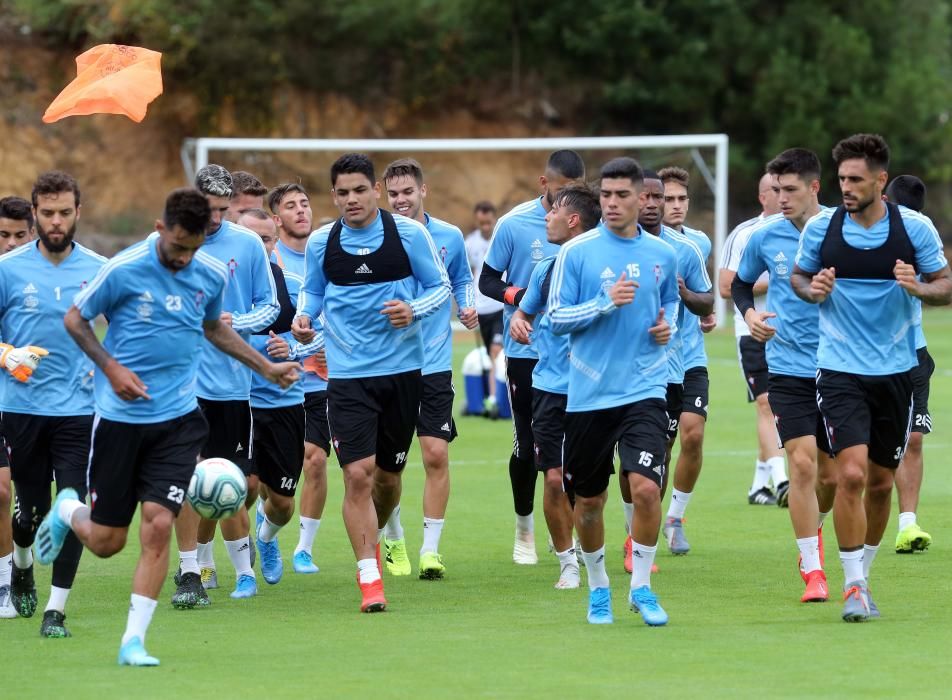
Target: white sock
810,551
58,598
761,476
869,554
567,557
67,507
852,565
595,566
432,530
906,519
206,555
239,551
140,615
822,518
308,532
642,557
22,556
268,530
188,562
679,503
367,570
778,470
629,514
524,523
259,507
393,530
6,564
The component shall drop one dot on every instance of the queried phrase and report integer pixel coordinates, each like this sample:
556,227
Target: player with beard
47,421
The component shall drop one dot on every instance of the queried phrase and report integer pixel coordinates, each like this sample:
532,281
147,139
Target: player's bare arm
698,303
813,288
934,289
223,337
124,381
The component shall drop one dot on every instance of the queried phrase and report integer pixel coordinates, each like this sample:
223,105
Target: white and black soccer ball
218,488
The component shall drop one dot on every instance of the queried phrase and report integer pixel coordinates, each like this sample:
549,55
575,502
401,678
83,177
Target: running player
373,276
291,207
148,428
47,421
910,192
223,390
574,211
861,263
247,193
790,328
436,429
617,331
753,359
488,310
518,244
16,229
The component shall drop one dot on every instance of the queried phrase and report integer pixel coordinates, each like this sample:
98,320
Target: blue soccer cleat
272,566
245,587
644,601
133,653
600,606
304,564
856,602
53,530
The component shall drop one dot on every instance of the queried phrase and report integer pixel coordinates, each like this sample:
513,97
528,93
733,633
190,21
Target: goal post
195,155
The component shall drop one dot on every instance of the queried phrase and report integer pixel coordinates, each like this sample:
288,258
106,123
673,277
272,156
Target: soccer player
696,385
752,357
790,328
160,296
436,429
910,192
861,263
291,208
47,420
612,290
223,390
16,229
488,310
574,211
374,277
518,244
247,193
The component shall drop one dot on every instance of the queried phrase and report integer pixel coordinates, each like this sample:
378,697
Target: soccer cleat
53,530
133,653
783,491
762,497
189,592
873,608
600,606
398,563
54,625
371,596
490,407
252,554
7,611
209,578
523,549
816,590
819,535
304,564
272,566
23,591
912,538
569,577
674,535
628,564
856,602
644,601
431,566
245,587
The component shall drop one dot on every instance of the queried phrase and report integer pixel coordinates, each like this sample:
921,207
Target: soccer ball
217,489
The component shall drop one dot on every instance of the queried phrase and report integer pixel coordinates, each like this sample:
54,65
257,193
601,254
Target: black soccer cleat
189,592
783,494
54,625
762,497
23,591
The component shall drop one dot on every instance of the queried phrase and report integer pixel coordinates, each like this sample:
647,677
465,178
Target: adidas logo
780,257
29,289
446,427
239,448
608,274
536,243
145,296
363,270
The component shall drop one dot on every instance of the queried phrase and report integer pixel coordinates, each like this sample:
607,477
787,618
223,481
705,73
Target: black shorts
230,433
279,447
44,448
316,431
436,407
674,400
519,376
921,374
793,403
753,364
131,463
697,386
490,328
864,410
548,428
638,430
374,416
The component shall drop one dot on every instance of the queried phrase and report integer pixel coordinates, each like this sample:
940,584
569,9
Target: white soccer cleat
7,611
523,550
569,577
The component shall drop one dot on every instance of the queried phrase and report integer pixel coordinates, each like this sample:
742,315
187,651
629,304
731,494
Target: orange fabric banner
110,79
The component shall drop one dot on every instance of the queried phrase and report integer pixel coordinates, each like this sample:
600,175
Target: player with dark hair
247,192
519,243
16,223
488,310
371,277
862,264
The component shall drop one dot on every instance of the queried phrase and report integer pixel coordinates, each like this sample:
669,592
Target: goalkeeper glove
21,362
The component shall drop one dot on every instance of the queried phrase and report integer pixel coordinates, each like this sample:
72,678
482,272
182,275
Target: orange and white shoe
628,565
372,599
816,590
803,574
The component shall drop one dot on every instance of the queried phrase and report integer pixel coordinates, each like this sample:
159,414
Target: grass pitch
494,629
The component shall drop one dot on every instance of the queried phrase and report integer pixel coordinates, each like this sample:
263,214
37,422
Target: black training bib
389,263
873,264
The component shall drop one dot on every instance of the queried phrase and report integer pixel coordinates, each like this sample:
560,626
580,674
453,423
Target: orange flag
110,79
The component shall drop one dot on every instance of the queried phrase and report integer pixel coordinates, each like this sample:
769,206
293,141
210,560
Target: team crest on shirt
232,267
199,299
30,302
657,274
781,264
536,250
443,254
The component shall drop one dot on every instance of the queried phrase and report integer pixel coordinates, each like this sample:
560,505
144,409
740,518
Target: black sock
522,476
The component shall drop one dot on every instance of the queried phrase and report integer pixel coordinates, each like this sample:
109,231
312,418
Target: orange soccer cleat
816,590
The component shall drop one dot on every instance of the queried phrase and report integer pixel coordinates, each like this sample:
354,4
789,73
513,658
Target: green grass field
494,629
